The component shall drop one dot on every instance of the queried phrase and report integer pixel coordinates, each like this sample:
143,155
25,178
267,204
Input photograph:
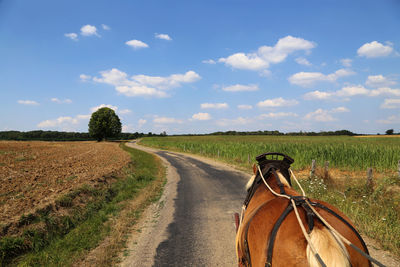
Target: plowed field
34,174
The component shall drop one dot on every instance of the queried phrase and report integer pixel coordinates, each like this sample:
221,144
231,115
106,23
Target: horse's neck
263,194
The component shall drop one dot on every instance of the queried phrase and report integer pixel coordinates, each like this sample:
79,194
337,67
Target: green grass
66,238
342,152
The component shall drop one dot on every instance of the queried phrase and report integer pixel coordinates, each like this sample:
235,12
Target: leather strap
274,232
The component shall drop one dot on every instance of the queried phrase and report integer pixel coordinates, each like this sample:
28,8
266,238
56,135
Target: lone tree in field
104,123
389,132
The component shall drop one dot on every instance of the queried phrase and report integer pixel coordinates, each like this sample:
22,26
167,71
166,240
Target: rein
295,201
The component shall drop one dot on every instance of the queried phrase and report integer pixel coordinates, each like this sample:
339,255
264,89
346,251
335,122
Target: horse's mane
280,177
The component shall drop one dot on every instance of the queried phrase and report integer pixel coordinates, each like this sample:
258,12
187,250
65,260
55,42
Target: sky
201,66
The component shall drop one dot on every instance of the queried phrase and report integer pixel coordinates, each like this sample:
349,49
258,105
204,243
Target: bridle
271,166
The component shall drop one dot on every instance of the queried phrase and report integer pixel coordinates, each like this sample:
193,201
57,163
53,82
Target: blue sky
201,66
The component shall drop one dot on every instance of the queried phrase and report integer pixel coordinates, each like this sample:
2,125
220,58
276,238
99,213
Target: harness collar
270,162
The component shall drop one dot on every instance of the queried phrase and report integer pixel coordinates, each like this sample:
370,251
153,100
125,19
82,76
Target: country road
201,232
192,225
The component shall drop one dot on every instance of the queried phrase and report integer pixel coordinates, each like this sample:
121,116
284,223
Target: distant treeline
76,136
341,132
62,136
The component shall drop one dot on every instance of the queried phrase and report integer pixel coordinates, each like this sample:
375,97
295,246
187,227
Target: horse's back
289,247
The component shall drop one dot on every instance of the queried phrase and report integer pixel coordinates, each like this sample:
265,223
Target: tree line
40,135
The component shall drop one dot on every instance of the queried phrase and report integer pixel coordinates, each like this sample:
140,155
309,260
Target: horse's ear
255,168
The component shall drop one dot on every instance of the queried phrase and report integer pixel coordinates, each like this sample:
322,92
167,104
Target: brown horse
269,232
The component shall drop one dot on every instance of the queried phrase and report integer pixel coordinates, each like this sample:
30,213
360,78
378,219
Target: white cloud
201,116
283,48
303,61
390,120
72,36
172,81
265,73
28,102
209,61
139,90
374,50
349,91
317,95
245,62
245,107
340,110
322,115
391,103
241,88
136,44
83,117
346,62
125,111
276,115
306,79
267,55
113,77
85,77
93,109
88,30
166,120
379,81
237,121
143,85
126,128
65,101
385,91
214,105
141,122
352,91
277,102
57,122
63,122
163,36
105,27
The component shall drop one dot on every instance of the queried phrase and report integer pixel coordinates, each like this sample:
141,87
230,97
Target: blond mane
281,178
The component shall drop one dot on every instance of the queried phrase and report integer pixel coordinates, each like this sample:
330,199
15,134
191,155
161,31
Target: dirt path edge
151,228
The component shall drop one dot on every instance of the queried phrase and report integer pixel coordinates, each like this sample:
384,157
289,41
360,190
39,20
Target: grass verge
65,233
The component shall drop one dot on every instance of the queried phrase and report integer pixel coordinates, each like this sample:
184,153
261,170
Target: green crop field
342,152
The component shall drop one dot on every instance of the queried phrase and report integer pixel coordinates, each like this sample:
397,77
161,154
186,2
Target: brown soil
34,174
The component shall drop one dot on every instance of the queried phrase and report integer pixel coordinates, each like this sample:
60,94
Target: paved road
202,232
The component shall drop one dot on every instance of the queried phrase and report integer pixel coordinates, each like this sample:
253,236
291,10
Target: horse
279,226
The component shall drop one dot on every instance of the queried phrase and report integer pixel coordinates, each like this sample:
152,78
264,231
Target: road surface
201,231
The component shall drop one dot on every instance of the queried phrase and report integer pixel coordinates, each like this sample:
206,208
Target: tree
104,123
389,132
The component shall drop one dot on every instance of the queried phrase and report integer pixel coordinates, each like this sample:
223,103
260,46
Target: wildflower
383,219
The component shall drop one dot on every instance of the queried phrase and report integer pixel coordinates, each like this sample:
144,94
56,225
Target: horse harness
271,166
